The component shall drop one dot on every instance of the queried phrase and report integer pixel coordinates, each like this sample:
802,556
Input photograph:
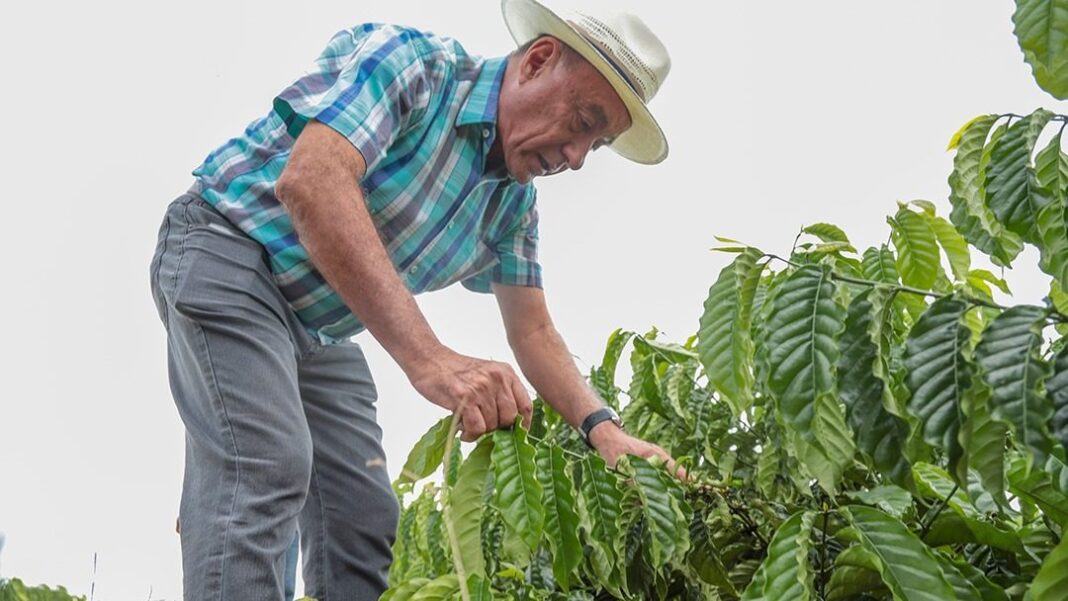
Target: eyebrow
599,114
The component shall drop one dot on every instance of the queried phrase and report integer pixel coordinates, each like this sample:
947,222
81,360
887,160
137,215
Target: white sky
779,113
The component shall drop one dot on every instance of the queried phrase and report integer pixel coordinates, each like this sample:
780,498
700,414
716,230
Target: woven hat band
617,53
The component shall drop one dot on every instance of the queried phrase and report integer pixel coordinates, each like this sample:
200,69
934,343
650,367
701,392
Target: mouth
545,168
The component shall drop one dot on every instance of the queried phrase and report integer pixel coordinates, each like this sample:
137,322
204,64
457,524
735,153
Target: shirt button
412,269
450,226
485,132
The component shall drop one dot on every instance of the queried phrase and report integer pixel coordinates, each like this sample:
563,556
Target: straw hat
622,48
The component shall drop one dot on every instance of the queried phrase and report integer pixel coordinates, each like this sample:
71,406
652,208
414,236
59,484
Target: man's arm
546,362
320,187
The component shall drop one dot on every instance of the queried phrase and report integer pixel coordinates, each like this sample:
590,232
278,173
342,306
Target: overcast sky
779,113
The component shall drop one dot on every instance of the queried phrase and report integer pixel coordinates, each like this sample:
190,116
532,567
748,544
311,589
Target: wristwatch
603,414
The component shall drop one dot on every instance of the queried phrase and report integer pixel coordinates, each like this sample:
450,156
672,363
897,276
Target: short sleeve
517,256
370,84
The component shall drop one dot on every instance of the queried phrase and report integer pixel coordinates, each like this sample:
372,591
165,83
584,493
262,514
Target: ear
540,58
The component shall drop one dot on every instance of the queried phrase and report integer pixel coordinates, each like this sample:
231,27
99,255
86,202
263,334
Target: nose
575,153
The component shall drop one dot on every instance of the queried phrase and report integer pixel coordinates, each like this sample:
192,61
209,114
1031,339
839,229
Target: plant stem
942,505
823,559
1050,313
446,508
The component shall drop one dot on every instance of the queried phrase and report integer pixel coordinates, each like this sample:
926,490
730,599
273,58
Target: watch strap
604,414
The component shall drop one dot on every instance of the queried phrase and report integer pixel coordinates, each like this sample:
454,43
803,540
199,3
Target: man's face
555,108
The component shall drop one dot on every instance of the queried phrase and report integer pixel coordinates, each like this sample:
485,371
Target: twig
823,559
446,508
942,505
1052,314
796,238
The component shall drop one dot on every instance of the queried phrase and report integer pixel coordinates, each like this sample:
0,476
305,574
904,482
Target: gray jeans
279,428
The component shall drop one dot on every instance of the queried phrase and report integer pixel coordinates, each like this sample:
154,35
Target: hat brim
643,142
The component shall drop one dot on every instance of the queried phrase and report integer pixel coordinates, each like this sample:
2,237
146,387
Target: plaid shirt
423,114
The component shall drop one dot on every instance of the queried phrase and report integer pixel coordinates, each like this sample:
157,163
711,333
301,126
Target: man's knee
287,470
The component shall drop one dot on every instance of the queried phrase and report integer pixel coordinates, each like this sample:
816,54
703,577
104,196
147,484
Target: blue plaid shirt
423,114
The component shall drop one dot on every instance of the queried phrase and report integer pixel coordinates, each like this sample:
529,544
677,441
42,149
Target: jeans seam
181,250
159,268
237,453
324,592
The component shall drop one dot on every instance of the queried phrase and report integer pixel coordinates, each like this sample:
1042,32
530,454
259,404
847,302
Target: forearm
547,364
331,219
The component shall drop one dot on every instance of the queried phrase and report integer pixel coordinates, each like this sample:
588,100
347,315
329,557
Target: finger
473,424
673,465
487,405
506,410
669,461
522,400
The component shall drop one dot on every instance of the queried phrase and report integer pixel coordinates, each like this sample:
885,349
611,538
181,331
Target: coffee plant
856,425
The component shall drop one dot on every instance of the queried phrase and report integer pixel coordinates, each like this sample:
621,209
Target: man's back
422,113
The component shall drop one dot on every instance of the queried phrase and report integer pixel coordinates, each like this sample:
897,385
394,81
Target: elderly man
398,164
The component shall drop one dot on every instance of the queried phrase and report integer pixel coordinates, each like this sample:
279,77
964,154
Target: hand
612,442
486,395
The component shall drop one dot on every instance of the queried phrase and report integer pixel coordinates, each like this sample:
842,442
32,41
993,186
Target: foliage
15,590
857,425
1041,28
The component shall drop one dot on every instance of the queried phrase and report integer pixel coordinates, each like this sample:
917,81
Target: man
399,164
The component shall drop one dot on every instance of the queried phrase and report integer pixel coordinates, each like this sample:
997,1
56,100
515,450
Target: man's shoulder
404,43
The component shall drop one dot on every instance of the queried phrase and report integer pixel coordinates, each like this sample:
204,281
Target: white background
779,113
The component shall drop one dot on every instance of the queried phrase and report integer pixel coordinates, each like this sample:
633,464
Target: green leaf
988,591
787,574
601,499
983,439
802,328
668,527
802,353
863,387
1009,357
827,232
465,508
603,377
404,591
519,497
907,566
917,249
1036,487
704,557
955,141
964,589
936,485
978,278
724,344
970,214
768,466
1041,28
938,375
879,265
856,572
1051,169
1012,190
561,521
953,244
479,588
889,498
1057,390
755,590
1051,582
441,588
426,455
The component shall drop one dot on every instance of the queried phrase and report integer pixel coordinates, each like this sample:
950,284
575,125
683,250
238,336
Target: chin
520,175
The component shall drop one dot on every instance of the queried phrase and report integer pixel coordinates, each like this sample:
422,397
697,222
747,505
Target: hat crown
628,44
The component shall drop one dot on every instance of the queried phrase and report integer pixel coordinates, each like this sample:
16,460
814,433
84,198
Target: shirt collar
481,103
